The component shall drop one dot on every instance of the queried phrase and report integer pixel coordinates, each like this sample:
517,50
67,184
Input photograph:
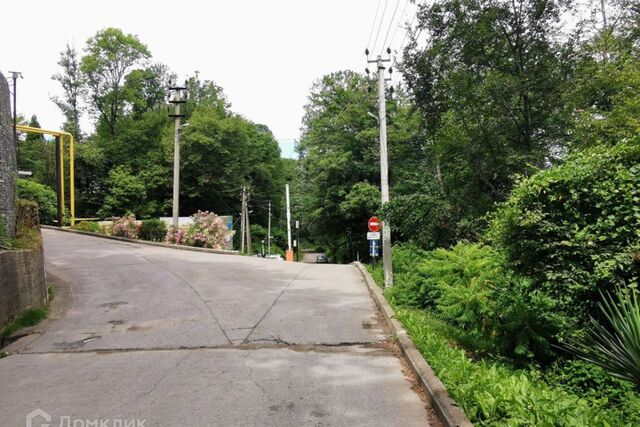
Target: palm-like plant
614,344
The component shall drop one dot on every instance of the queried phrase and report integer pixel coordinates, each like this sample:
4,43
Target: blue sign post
374,248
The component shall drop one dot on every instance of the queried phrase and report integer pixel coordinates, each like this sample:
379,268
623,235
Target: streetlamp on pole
176,101
15,75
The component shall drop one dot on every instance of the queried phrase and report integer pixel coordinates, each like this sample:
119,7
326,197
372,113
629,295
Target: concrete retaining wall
22,282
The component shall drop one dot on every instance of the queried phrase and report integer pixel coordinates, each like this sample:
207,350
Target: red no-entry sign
374,224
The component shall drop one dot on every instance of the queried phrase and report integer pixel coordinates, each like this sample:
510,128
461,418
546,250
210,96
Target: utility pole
288,222
242,216
384,168
15,75
297,240
269,231
176,100
248,226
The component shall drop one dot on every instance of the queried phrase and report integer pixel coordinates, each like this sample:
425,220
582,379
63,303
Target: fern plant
614,343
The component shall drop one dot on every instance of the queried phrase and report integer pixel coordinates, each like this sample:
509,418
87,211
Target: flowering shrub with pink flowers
208,230
176,235
125,226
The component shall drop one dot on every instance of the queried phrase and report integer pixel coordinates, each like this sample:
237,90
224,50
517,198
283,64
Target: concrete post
384,175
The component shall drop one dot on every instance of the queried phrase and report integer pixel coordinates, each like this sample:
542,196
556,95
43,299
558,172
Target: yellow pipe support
72,189
62,176
72,186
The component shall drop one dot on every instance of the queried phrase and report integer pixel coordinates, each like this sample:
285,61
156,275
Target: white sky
265,54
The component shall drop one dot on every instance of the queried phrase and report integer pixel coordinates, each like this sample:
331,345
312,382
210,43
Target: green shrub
573,229
493,394
207,230
410,284
491,309
124,227
90,226
614,343
589,380
44,196
153,230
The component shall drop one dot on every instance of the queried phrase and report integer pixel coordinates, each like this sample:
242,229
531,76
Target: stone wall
8,165
22,282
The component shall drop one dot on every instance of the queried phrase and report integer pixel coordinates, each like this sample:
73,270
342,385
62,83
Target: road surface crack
195,291
153,387
253,380
246,339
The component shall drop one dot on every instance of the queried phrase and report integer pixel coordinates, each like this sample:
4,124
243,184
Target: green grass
29,317
492,392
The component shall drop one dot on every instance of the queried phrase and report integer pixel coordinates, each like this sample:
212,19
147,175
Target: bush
614,344
89,226
124,227
44,196
153,230
493,394
127,195
411,286
589,380
573,229
425,219
207,230
492,309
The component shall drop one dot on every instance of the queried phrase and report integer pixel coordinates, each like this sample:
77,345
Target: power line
408,30
375,43
384,43
404,12
373,24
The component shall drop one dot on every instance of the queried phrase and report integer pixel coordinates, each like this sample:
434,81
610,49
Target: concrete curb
448,411
143,242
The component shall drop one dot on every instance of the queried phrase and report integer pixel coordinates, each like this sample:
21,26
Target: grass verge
493,393
27,318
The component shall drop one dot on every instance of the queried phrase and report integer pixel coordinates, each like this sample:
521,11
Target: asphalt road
179,338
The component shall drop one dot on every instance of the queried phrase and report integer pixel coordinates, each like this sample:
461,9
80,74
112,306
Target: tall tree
110,56
489,85
37,155
71,79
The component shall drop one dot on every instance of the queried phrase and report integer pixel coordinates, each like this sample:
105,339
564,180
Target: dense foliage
468,338
492,393
573,229
124,167
44,196
153,230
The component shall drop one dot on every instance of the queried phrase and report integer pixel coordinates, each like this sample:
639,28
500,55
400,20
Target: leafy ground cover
494,391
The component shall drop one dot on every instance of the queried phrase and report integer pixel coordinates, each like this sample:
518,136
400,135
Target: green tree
126,195
72,81
37,155
110,56
489,86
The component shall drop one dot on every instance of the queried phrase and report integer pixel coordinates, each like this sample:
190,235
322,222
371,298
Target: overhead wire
373,24
384,43
404,12
406,34
384,10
